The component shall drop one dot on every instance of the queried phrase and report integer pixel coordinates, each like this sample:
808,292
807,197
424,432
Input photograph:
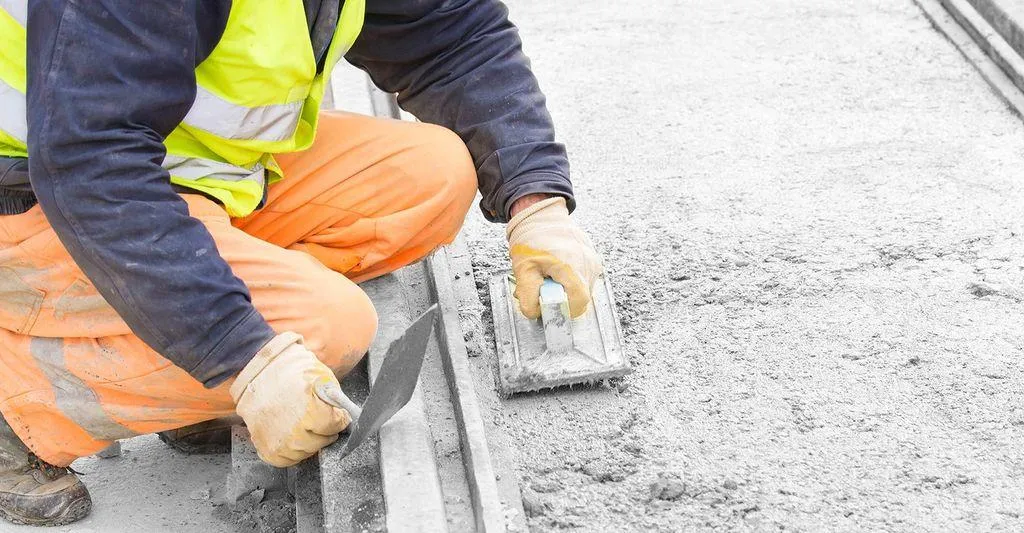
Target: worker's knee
341,322
448,167
450,175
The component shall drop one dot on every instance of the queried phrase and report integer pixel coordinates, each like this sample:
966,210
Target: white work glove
544,242
275,395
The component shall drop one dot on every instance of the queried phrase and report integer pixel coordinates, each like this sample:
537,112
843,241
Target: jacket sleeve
460,64
108,80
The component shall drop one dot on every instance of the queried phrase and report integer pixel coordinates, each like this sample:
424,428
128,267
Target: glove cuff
267,353
555,204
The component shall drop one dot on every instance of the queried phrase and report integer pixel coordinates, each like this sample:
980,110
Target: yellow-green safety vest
258,94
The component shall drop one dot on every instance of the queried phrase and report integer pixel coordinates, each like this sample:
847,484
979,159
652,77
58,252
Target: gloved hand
545,242
275,395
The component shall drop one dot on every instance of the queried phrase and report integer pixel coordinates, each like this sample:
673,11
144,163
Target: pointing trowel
395,383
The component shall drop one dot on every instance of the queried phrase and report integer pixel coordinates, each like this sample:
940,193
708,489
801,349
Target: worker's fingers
309,445
527,265
577,290
327,420
279,460
588,264
295,451
527,292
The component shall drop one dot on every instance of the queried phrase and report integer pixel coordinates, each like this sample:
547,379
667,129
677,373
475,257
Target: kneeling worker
182,229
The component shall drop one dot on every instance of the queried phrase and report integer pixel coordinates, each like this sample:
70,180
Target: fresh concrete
812,213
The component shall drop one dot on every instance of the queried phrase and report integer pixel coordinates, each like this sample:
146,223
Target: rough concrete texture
151,488
259,512
812,213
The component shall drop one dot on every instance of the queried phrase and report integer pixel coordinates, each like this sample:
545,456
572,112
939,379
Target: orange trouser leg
368,197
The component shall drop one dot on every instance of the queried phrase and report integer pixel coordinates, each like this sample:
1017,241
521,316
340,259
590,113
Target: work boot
34,492
210,437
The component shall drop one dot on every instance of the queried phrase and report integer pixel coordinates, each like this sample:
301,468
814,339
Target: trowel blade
396,380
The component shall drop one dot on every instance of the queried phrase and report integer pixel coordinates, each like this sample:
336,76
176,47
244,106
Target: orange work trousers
370,196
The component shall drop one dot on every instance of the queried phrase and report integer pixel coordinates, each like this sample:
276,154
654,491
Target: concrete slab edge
949,26
248,472
503,457
1003,22
988,39
309,505
413,497
490,516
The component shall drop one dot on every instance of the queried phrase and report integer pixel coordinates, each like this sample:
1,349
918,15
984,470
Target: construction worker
182,229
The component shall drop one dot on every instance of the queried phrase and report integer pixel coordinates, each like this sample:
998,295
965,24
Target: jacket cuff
234,351
529,183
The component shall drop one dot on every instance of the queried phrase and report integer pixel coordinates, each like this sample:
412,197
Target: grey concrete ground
812,213
150,488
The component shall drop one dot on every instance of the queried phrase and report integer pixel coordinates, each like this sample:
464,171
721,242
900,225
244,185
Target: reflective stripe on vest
193,168
17,9
269,123
13,125
12,113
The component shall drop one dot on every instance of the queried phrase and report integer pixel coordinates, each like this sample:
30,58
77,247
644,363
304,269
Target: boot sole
74,512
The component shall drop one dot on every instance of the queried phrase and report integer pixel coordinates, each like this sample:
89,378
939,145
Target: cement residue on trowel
556,350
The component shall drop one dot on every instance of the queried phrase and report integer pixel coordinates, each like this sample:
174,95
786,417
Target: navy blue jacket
108,80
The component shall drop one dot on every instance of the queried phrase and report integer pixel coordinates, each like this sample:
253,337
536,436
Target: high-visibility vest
258,93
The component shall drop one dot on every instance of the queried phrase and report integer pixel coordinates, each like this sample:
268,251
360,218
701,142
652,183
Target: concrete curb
494,508
434,458
413,498
1004,20
991,41
476,454
500,443
990,54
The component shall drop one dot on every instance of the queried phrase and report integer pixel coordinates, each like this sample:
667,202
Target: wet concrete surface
812,215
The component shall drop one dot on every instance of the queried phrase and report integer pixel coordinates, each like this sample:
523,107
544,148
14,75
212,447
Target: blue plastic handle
552,292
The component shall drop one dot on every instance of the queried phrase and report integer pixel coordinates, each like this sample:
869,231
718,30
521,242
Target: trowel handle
552,293
335,397
554,316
